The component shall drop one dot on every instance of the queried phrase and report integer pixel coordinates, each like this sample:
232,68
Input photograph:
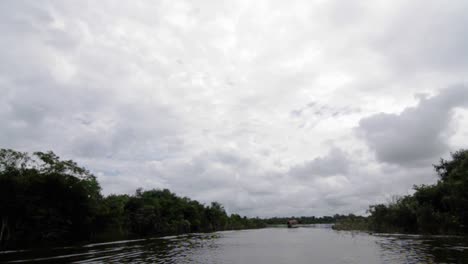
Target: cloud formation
334,163
253,104
418,134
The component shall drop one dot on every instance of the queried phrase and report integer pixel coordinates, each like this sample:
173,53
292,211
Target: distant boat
292,223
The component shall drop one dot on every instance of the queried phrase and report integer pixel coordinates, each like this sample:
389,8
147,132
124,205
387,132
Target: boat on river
292,223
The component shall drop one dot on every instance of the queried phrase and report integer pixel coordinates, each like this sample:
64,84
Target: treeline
352,222
441,208
305,220
45,201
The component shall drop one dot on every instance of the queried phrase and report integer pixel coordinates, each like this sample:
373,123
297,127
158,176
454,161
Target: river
314,244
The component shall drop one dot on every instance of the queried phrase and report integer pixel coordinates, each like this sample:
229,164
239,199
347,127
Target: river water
314,244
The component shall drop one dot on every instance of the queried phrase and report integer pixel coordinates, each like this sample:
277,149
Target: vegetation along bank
440,208
47,201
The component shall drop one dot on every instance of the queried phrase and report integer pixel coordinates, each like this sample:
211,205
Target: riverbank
358,223
48,201
437,209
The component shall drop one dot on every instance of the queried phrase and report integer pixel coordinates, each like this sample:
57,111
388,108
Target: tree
43,198
46,200
437,208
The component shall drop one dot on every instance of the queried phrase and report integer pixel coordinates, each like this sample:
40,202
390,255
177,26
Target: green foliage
351,222
44,200
305,220
160,212
441,208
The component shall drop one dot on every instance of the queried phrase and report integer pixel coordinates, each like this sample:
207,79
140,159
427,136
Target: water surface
314,244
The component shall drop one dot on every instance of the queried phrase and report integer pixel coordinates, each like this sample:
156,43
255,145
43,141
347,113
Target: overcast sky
269,107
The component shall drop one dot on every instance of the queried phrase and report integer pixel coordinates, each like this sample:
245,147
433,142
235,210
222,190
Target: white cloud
253,104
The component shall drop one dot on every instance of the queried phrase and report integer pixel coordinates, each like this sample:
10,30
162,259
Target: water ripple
302,245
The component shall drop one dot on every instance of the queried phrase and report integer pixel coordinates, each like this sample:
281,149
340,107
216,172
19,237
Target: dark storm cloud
418,134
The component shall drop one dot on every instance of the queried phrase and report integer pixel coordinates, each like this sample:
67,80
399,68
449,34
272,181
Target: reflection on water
316,244
423,249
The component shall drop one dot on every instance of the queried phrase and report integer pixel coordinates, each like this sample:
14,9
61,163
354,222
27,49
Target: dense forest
46,201
441,208
305,220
